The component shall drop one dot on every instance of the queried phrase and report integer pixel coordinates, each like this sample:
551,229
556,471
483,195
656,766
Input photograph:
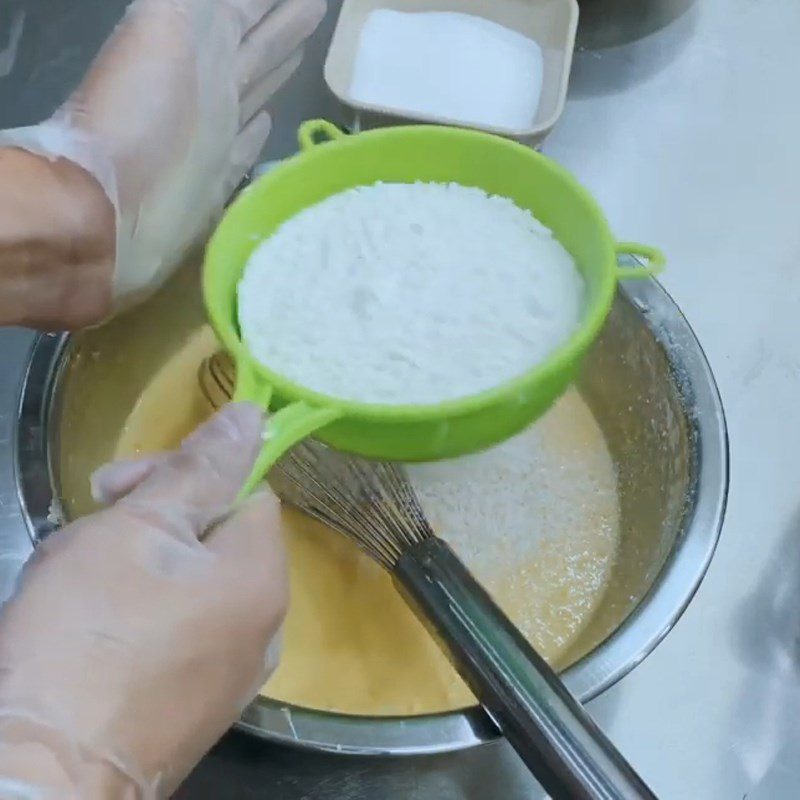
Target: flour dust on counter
536,518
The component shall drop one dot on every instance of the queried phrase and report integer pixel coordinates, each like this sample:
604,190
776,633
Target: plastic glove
168,120
138,635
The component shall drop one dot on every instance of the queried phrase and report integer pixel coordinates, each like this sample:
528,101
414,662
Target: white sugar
459,67
408,293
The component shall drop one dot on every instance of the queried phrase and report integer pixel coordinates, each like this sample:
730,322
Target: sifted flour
408,293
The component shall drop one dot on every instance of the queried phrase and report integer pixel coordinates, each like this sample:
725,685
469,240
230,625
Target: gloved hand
137,635
169,118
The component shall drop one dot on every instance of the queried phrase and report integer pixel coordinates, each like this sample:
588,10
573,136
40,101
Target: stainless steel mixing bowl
646,381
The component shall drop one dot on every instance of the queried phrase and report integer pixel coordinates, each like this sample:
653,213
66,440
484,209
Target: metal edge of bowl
33,454
655,615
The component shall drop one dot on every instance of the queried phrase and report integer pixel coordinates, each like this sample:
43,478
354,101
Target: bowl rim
645,627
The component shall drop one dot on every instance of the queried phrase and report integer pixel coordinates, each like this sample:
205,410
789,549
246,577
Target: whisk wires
371,502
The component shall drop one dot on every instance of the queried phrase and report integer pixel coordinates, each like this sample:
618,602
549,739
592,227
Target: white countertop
690,140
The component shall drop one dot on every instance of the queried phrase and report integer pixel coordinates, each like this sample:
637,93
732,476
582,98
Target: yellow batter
536,519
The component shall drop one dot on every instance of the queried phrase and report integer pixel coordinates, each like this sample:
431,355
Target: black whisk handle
543,722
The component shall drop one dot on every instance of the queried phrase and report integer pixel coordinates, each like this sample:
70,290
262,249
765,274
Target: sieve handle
284,429
558,741
314,132
636,261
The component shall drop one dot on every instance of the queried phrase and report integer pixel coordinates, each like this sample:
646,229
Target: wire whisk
371,502
375,505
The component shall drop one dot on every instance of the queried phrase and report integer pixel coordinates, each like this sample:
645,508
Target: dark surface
242,768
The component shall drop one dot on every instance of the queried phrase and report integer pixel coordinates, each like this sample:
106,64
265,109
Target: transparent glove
169,118
137,635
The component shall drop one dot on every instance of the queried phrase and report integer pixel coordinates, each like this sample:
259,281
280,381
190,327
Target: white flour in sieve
408,293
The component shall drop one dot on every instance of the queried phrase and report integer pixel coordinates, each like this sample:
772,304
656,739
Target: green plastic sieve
329,162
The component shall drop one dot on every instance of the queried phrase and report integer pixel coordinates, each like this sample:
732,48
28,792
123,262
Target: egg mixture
536,519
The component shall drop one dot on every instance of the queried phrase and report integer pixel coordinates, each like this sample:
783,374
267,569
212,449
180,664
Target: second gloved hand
168,120
137,635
